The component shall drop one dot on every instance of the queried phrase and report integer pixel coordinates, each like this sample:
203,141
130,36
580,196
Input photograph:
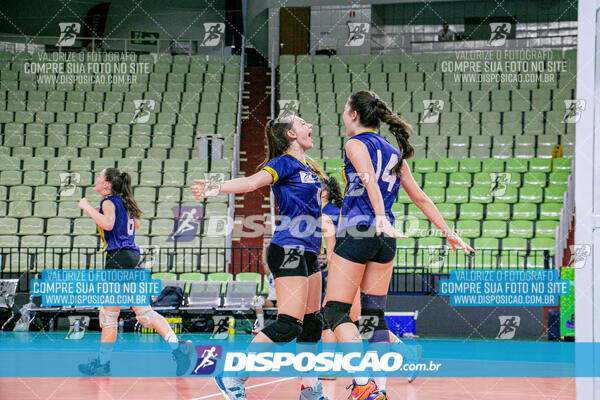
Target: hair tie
374,102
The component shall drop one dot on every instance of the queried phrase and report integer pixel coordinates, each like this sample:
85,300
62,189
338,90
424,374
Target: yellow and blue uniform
122,235
356,207
297,190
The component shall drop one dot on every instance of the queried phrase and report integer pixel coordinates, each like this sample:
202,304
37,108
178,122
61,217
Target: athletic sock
380,381
171,338
105,352
361,381
261,320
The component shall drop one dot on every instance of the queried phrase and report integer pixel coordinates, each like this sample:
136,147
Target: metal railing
190,46
416,271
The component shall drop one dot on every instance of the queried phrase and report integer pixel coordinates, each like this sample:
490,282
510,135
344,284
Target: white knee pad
146,315
108,319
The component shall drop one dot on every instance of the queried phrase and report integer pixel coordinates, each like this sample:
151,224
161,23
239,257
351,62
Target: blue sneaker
312,394
232,388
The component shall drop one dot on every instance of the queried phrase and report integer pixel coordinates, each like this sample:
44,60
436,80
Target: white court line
249,387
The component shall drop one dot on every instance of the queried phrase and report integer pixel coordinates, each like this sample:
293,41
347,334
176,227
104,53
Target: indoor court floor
282,389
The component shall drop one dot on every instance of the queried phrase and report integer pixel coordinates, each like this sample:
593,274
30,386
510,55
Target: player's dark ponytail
334,193
372,110
120,183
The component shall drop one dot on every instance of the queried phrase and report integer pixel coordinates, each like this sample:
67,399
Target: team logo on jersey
431,111
499,183
357,33
573,110
307,177
288,107
187,222
499,33
579,255
68,33
68,183
213,32
143,109
77,326
207,359
508,326
221,329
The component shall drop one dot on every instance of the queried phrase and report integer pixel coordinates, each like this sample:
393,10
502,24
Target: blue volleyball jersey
297,190
356,207
122,235
333,212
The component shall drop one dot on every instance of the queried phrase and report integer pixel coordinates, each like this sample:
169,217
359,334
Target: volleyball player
117,218
295,245
366,239
331,198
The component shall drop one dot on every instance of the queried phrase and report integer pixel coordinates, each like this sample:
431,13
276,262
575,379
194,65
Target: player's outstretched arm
421,200
206,188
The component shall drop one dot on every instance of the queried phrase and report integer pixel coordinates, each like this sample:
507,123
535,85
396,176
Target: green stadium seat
492,165
31,226
460,178
447,210
546,229
562,164
58,226
436,179
45,209
8,226
517,165
535,178
514,243
498,211
555,193
520,229
550,211
220,277
471,211
480,194
542,244
457,195
486,243
558,178
424,165
191,277
531,194
509,195
468,228
496,229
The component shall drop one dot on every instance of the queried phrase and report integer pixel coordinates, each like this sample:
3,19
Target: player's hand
205,188
83,204
455,241
382,225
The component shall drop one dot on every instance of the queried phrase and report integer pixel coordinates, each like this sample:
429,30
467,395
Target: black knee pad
284,330
312,328
379,330
337,313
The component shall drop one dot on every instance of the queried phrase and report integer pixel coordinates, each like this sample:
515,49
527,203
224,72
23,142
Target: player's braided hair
372,111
